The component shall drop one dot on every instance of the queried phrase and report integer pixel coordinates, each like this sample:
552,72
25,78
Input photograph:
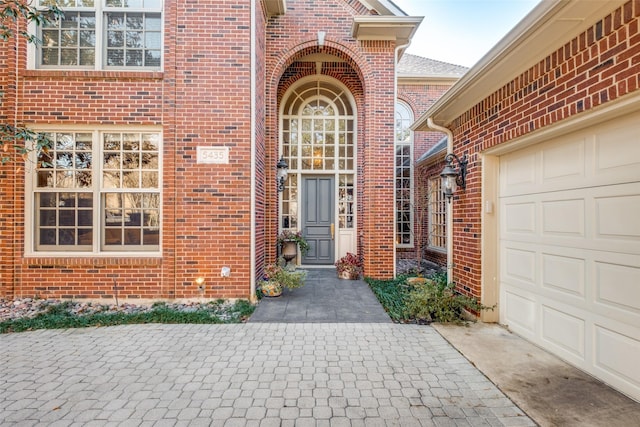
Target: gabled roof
413,66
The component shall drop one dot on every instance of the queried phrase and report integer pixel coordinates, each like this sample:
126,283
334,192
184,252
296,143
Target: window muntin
346,201
403,175
111,34
318,135
318,128
437,215
70,41
112,204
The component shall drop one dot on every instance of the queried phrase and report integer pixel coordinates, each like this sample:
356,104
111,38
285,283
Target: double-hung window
97,191
103,34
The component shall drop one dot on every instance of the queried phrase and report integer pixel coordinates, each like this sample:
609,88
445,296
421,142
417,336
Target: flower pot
289,250
271,289
348,275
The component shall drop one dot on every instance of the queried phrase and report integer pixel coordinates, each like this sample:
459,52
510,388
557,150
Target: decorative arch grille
318,136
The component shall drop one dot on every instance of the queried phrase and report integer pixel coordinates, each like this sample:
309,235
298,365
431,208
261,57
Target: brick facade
369,70
202,97
599,66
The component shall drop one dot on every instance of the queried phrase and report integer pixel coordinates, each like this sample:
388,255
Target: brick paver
254,374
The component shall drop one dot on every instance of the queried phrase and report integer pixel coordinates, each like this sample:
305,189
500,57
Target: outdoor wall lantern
282,174
452,178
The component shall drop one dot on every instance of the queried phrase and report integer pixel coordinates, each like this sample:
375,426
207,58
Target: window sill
96,74
52,259
404,246
437,249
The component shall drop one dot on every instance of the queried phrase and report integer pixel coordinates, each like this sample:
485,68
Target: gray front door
317,219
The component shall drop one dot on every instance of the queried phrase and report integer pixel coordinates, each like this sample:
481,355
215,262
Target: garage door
570,248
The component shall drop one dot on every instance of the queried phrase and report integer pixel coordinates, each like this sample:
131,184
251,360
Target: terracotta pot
348,275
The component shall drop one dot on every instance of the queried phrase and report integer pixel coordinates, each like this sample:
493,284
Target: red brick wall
7,170
201,98
420,97
206,208
259,116
599,66
294,35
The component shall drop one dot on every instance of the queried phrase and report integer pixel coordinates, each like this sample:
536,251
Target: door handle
333,230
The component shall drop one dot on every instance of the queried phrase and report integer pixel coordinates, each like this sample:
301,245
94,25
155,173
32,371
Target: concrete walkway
256,374
548,389
323,299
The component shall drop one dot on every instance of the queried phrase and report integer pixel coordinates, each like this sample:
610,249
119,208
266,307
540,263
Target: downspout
395,102
442,129
252,137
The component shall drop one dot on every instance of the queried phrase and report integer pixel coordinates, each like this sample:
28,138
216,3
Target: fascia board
545,29
398,28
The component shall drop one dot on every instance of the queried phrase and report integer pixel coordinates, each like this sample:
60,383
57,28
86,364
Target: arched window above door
318,128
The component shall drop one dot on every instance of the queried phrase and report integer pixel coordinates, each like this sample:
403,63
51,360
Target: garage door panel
618,217
616,359
519,175
520,266
564,331
601,155
617,148
564,274
564,217
554,161
569,215
520,217
618,286
520,312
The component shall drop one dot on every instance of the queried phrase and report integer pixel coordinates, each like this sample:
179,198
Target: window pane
47,217
113,236
134,39
47,236
58,215
153,21
151,237
134,58
87,57
130,219
63,40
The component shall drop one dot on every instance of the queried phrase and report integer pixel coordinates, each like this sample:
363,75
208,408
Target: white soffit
275,7
398,28
549,26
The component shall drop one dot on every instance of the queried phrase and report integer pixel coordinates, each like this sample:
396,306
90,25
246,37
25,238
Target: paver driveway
255,374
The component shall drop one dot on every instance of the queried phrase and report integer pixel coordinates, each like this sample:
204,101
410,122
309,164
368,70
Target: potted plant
289,242
349,267
278,276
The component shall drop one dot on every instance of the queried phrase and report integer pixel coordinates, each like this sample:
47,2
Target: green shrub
390,293
59,316
433,301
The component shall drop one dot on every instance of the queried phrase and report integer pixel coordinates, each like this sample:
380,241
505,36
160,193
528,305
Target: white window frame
437,215
404,114
100,9
97,190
